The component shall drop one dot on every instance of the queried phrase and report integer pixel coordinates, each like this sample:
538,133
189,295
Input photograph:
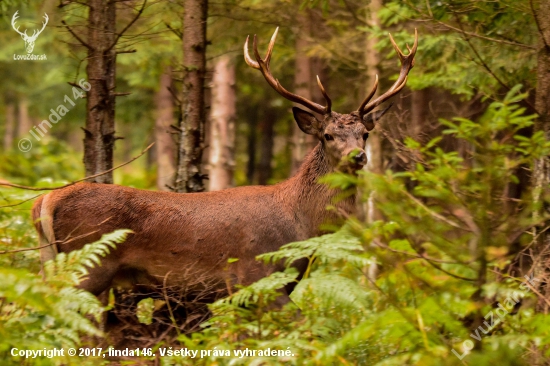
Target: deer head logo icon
29,40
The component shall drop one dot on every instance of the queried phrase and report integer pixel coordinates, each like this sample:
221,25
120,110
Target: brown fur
185,240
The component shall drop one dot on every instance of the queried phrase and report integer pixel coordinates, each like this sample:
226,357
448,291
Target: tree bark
251,145
374,144
222,125
303,79
165,150
24,123
9,127
189,177
266,145
420,110
99,133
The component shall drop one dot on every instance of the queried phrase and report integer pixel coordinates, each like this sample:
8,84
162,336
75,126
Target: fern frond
332,290
341,245
72,267
265,287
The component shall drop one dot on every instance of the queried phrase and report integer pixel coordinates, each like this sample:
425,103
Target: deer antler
263,66
407,63
36,33
13,19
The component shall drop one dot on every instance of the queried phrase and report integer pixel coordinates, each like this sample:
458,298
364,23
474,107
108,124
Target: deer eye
328,137
365,136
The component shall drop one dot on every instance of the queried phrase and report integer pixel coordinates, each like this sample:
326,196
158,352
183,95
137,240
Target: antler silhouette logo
29,40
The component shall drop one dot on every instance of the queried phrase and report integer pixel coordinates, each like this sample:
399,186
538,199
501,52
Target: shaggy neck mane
308,197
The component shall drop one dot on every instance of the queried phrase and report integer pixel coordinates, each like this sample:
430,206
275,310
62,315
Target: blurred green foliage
39,314
442,255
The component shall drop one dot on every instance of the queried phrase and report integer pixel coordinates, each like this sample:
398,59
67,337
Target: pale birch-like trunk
24,123
301,142
165,149
222,125
374,144
9,128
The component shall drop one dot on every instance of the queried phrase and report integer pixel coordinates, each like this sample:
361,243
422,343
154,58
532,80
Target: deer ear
370,119
307,121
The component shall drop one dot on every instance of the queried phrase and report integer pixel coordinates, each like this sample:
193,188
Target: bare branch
486,67
471,34
66,241
175,95
175,31
126,51
76,36
475,35
62,4
79,180
21,202
121,33
75,85
541,32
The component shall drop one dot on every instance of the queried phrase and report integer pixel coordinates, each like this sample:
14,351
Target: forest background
447,261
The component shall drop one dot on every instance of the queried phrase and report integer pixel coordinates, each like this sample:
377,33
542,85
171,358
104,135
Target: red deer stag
182,239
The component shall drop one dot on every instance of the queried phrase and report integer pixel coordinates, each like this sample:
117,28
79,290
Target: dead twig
79,180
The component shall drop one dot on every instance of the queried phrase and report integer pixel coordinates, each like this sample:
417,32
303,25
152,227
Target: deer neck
309,198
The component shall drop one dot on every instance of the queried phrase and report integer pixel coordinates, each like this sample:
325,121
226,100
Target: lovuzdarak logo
29,40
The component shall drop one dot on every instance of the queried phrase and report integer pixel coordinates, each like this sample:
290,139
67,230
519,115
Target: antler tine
270,47
325,95
400,54
263,66
44,23
407,63
250,62
13,19
371,94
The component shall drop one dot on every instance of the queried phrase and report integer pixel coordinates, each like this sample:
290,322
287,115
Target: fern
340,246
72,267
331,289
38,314
265,287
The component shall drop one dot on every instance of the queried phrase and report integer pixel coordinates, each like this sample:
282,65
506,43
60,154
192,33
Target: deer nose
360,158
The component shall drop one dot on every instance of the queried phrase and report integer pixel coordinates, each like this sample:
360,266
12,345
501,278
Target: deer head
29,40
343,136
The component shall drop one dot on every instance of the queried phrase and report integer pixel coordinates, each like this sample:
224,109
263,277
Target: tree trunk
99,133
266,145
301,142
374,144
10,126
251,145
222,125
420,110
189,177
541,172
24,123
165,151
